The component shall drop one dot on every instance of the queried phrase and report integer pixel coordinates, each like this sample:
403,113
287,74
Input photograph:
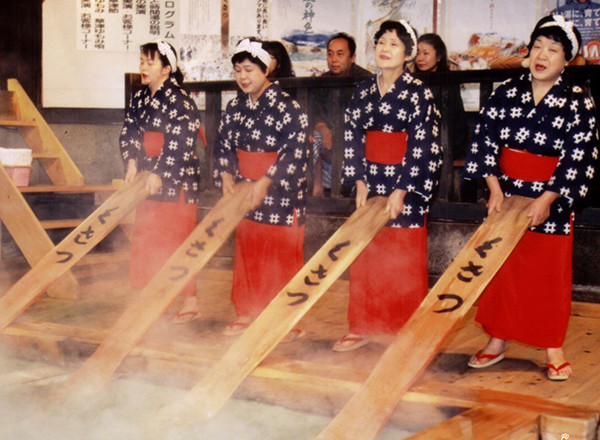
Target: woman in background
432,56
392,149
537,137
280,65
159,135
263,138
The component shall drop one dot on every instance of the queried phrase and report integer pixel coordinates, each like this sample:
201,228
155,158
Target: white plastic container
18,157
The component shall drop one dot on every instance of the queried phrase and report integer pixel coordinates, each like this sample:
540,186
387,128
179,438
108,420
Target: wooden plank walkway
306,374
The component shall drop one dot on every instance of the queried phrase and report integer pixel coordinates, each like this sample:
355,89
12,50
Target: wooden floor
306,374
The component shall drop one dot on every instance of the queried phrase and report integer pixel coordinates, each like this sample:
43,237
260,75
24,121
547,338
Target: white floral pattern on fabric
408,106
562,125
274,123
173,113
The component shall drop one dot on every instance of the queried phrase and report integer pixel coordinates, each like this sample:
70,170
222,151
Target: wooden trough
513,399
510,400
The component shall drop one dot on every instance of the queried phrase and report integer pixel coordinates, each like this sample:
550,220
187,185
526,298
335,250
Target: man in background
341,56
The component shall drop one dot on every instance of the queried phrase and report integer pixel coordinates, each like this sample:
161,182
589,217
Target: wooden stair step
44,155
66,223
67,189
8,106
17,123
63,223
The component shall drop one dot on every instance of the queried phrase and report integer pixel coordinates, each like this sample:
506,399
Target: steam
126,408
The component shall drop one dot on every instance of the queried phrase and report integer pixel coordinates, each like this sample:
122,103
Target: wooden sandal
350,343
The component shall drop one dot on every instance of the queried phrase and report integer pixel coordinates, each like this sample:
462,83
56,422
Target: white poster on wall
205,44
305,26
88,45
418,13
585,14
119,25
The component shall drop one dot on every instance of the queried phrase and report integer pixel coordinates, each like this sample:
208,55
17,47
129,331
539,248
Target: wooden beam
145,308
327,387
71,249
29,235
42,140
283,312
552,427
467,396
36,374
485,423
419,340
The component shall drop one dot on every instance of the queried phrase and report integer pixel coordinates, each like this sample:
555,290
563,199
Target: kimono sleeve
579,150
289,171
354,166
177,157
484,150
225,159
423,160
132,136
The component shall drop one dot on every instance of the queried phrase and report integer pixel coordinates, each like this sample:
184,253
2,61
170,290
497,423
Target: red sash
522,165
153,143
385,148
253,166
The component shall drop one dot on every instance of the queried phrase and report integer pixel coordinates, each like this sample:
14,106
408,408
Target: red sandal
493,359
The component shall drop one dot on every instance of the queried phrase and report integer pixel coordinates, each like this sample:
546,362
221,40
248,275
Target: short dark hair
151,49
284,64
348,38
557,34
401,32
242,56
435,41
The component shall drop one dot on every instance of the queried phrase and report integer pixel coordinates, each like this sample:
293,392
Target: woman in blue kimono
263,138
159,135
392,149
537,137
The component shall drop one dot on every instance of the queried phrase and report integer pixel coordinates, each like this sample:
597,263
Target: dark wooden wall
21,45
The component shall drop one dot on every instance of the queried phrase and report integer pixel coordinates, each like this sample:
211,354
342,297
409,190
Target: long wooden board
282,313
161,291
70,250
419,340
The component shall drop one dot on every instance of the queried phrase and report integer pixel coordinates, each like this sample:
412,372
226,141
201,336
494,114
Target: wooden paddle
281,315
71,249
163,288
418,341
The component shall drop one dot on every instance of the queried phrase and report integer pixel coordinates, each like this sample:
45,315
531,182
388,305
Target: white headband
567,27
255,49
166,50
413,37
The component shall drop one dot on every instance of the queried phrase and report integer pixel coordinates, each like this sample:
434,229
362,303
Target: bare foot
188,311
489,355
558,367
238,326
350,342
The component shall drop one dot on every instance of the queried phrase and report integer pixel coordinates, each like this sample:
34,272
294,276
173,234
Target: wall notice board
88,45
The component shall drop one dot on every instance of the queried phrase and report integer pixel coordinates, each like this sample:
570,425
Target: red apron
529,299
266,256
388,280
159,229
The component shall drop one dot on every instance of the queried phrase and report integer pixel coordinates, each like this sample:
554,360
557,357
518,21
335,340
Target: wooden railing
445,205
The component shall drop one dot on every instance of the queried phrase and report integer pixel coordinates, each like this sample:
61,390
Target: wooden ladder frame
38,135
30,235
18,111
